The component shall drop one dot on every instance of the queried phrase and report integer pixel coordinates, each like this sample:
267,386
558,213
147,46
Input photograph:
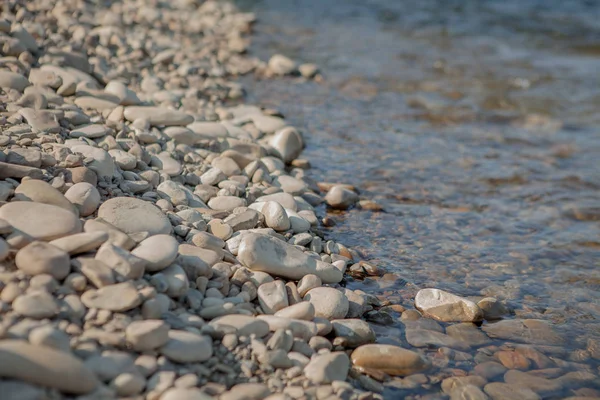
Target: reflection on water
476,125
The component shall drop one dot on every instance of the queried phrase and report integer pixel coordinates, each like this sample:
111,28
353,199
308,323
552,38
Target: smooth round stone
328,367
286,200
226,203
297,223
159,251
49,336
275,216
392,360
42,258
40,221
268,254
181,135
303,310
147,335
90,131
300,329
246,391
36,305
354,332
41,192
244,325
128,384
329,303
124,160
167,164
308,282
185,394
208,130
119,298
177,281
44,366
185,347
447,307
287,144
267,123
12,80
281,65
532,331
102,164
158,116
81,242
272,296
131,215
290,185
341,198
85,197
126,96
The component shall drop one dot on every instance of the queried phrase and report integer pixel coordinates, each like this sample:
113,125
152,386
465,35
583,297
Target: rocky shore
159,239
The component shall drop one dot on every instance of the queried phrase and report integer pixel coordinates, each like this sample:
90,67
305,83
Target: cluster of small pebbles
157,243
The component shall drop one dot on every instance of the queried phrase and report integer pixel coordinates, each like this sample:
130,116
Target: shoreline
176,250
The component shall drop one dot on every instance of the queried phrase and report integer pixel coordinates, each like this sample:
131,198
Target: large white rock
447,307
131,215
275,216
272,296
287,144
268,254
40,221
329,303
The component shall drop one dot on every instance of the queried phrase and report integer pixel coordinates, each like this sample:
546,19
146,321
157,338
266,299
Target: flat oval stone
185,394
208,130
42,192
42,258
103,164
184,347
354,331
447,307
131,215
120,297
158,115
244,325
328,367
392,360
40,221
45,366
329,303
159,251
91,131
36,304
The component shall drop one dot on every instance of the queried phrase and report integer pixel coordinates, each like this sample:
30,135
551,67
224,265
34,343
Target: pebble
44,366
185,394
43,258
272,296
85,197
36,305
268,254
392,360
354,332
41,192
275,216
40,221
329,303
101,162
81,242
157,116
119,297
341,198
281,65
303,310
447,307
243,325
147,335
287,144
187,347
505,391
159,251
132,215
327,368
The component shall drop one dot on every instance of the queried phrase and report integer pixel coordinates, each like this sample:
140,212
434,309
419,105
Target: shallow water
476,125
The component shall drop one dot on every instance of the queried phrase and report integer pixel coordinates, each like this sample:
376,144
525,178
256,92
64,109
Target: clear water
476,125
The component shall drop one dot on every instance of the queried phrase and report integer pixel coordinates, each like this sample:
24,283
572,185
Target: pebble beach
162,238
